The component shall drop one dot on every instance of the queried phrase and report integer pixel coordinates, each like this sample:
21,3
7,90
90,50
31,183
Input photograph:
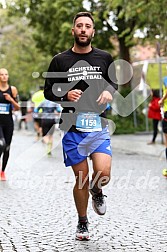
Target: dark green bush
126,125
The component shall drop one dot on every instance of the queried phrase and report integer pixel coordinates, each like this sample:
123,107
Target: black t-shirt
88,72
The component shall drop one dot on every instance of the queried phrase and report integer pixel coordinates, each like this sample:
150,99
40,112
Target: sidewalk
137,143
131,143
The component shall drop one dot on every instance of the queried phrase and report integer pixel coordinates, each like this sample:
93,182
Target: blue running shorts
77,146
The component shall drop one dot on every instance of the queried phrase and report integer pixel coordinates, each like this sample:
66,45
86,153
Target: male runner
78,78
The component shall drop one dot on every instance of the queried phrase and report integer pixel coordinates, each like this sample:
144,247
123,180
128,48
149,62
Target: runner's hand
160,102
74,95
104,98
7,97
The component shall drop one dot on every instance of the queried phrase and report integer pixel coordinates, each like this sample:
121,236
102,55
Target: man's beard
82,43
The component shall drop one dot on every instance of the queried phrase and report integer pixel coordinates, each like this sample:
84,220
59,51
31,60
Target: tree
52,21
18,53
124,18
121,18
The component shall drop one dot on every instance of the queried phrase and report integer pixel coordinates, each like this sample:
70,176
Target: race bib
4,108
88,122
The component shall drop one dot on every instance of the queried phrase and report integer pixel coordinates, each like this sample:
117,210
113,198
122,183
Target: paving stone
38,213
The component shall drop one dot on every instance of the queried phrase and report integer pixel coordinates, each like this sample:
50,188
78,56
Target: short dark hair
83,14
41,87
156,93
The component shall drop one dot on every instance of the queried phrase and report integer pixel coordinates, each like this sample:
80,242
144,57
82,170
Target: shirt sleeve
50,90
111,79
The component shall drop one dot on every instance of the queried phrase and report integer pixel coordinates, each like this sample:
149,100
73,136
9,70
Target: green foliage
20,55
153,74
125,125
52,21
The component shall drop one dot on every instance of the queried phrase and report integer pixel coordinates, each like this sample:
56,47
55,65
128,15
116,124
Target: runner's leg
100,177
102,169
81,188
8,133
155,129
165,134
2,141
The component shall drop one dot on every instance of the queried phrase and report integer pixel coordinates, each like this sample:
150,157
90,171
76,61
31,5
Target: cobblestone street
37,211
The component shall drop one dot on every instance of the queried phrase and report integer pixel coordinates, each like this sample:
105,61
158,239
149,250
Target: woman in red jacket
154,113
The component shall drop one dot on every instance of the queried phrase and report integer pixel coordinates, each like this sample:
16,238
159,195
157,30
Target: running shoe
3,177
98,202
82,232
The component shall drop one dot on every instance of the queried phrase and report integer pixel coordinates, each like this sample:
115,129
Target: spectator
154,113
